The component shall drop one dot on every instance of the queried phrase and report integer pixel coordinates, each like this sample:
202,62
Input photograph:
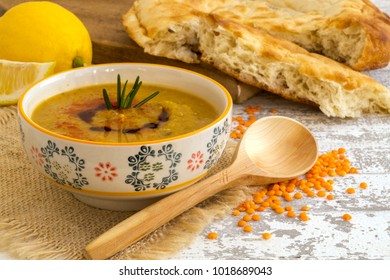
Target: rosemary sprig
107,100
124,100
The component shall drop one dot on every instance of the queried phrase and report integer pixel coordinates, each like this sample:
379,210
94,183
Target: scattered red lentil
298,195
212,235
291,214
256,217
266,235
251,110
330,197
247,228
241,223
341,150
350,190
279,210
347,217
312,184
247,218
242,124
303,216
353,170
265,204
287,197
321,193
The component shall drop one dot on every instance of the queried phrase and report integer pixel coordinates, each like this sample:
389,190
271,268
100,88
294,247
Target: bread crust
255,57
267,45
354,32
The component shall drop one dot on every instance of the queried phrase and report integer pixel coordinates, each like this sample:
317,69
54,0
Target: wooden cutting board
103,19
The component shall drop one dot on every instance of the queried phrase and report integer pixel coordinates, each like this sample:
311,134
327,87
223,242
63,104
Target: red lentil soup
82,114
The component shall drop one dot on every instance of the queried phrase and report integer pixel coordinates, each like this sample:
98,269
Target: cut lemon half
16,77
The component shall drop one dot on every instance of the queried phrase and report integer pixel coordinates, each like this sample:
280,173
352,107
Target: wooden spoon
273,149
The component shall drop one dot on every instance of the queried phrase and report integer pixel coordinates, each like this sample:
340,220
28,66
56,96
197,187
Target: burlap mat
39,221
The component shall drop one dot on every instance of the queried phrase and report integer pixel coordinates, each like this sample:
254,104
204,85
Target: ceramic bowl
129,176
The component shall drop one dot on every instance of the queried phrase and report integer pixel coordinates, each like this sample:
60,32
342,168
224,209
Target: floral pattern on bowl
148,168
63,165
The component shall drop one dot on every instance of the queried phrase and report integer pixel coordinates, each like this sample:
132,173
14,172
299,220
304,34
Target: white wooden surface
325,235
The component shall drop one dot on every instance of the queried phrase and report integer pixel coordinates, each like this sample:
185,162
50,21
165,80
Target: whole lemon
44,32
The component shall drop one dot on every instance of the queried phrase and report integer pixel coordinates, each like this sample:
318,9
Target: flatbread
272,44
257,58
354,32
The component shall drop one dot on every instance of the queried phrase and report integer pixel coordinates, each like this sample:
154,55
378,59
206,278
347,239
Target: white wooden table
325,235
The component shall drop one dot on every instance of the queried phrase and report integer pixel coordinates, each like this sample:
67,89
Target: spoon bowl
273,149
280,147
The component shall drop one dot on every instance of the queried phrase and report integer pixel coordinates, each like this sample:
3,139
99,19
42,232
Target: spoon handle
152,217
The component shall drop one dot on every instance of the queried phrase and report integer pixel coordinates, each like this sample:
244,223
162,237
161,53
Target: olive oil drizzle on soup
82,114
